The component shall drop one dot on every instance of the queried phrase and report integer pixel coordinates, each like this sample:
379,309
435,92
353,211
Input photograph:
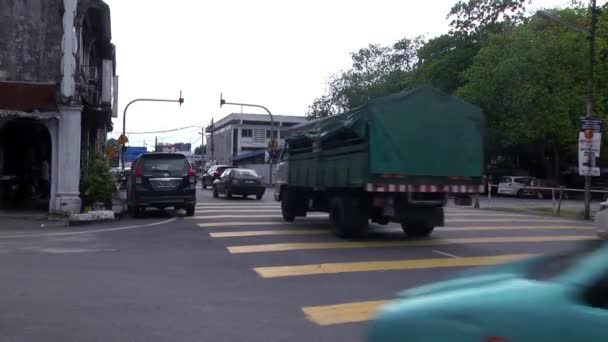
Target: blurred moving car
214,172
161,180
242,182
513,185
600,221
560,297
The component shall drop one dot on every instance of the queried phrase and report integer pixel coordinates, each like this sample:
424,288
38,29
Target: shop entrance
25,165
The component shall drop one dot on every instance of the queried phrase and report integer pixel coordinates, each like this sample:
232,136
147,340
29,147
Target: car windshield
240,173
554,265
166,164
504,180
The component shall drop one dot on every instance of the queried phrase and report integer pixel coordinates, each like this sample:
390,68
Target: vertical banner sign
589,142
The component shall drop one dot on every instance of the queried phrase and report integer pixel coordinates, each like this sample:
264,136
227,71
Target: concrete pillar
68,160
52,126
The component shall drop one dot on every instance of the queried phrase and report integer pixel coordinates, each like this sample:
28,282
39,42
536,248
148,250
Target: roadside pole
590,108
124,122
223,102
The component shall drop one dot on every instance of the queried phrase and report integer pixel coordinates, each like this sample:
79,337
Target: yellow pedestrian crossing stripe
269,232
506,220
279,247
368,266
342,313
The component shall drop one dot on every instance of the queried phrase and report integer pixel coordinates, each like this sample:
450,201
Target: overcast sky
270,52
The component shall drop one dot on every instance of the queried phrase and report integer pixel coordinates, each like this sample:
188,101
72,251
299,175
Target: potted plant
97,184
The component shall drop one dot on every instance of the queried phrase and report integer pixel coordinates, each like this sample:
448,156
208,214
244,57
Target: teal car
560,297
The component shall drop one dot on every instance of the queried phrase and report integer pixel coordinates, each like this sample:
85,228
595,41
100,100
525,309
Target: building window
268,133
247,133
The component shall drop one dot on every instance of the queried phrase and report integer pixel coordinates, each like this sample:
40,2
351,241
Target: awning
34,115
248,154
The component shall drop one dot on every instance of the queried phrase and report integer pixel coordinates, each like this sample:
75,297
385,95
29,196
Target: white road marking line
254,223
445,254
87,231
245,216
261,210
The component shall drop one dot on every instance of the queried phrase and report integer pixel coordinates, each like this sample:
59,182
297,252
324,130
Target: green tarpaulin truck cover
417,132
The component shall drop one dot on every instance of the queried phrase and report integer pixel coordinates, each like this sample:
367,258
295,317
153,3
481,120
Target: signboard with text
589,142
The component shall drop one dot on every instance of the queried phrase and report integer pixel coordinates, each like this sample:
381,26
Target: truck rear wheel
346,217
418,228
286,209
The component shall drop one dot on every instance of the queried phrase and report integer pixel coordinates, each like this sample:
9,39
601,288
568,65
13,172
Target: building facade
58,94
240,134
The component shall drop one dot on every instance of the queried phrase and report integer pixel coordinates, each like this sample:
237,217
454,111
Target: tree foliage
376,71
527,74
475,16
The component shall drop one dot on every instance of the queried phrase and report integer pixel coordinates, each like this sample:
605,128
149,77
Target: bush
97,182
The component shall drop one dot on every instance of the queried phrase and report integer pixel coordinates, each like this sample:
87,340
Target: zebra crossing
277,251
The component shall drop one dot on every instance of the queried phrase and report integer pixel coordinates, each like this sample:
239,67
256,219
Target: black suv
214,172
161,180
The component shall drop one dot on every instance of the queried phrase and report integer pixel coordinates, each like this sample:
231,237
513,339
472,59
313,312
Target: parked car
242,182
513,185
214,172
161,180
559,297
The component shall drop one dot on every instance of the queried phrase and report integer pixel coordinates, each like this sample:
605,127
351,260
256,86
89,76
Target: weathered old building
58,94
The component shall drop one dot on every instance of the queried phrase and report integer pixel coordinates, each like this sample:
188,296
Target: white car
513,185
601,221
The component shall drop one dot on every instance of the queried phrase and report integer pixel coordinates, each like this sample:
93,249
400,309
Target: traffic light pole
223,102
124,121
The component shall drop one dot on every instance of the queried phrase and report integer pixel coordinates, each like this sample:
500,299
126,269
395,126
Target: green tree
376,71
530,81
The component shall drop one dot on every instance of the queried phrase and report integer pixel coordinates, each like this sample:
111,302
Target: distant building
245,135
177,147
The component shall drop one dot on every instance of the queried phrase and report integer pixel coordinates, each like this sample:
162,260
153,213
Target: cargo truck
395,159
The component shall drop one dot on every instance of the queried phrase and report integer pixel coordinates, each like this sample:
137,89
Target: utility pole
202,147
212,144
156,143
590,104
272,141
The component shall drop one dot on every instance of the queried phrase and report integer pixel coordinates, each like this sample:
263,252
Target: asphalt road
236,272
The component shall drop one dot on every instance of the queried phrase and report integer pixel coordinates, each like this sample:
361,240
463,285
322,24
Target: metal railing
557,194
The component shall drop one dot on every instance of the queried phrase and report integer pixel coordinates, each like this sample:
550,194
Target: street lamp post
124,120
590,103
223,102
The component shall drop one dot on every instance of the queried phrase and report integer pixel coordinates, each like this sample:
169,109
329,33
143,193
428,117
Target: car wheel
539,195
347,219
520,193
136,212
216,194
259,196
286,209
190,210
228,193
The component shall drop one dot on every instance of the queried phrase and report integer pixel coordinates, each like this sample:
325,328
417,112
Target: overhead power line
168,130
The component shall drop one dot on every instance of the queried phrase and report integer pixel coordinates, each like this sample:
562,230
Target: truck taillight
495,339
